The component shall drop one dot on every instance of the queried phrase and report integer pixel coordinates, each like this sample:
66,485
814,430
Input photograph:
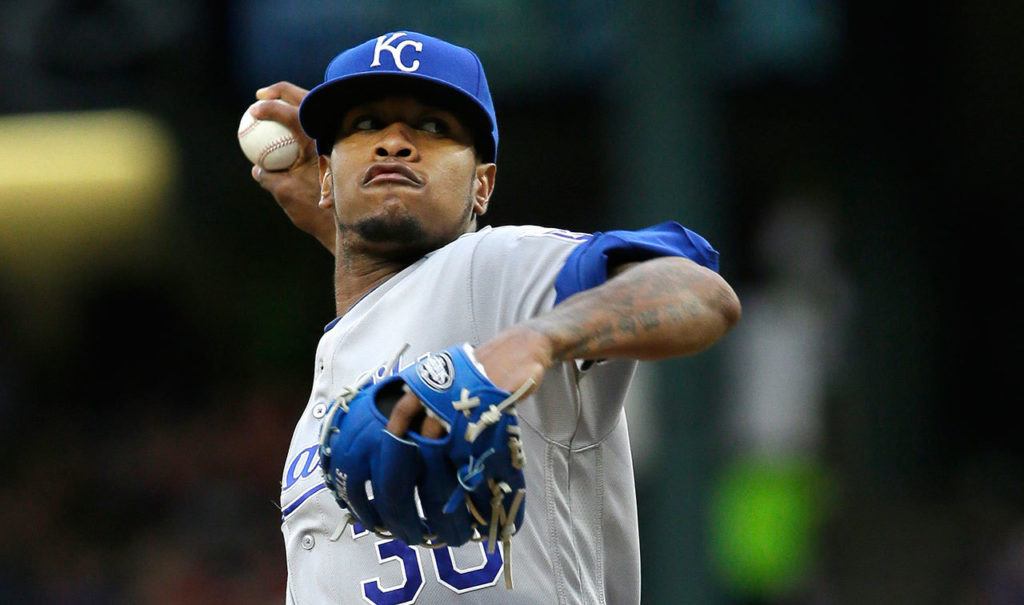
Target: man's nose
396,142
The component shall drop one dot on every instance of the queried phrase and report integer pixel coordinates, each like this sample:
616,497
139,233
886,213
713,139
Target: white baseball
266,143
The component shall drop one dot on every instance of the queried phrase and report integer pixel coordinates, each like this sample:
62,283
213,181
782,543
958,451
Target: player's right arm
296,190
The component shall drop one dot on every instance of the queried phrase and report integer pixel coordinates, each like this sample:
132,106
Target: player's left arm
659,308
653,309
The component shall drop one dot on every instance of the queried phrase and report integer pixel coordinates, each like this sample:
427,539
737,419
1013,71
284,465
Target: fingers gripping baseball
268,139
286,91
296,189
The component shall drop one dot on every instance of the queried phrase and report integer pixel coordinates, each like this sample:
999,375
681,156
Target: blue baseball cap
431,69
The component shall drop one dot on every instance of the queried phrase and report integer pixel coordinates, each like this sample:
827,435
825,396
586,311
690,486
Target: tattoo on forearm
585,341
627,325
649,319
660,300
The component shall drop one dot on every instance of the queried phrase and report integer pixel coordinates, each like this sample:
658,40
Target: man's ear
483,187
326,183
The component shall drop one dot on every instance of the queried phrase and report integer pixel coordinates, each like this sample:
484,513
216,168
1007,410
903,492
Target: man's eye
365,123
434,125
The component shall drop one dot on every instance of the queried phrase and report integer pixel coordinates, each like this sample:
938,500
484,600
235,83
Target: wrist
531,342
534,338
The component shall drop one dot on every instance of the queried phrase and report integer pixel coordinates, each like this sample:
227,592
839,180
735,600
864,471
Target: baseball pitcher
465,440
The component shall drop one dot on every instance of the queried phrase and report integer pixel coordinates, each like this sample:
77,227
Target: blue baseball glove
470,482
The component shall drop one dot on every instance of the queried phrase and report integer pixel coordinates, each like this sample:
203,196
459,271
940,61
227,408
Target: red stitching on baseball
255,122
279,143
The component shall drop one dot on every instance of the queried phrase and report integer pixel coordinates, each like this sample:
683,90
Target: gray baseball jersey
579,541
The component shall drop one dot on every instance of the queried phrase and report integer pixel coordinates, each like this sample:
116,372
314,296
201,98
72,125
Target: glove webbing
493,414
500,520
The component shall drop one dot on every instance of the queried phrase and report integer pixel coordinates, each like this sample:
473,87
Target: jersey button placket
308,541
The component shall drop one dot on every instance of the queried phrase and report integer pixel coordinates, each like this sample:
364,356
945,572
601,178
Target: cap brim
322,110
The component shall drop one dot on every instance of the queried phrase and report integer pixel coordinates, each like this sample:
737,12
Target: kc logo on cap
386,43
418,65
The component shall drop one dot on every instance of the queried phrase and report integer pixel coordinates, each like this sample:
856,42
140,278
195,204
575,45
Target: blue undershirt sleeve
587,265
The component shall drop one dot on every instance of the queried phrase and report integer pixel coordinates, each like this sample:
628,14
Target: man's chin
397,238
379,230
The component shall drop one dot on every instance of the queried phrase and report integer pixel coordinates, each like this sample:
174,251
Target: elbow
721,311
728,306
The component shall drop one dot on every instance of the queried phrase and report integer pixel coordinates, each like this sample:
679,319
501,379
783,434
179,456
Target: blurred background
858,166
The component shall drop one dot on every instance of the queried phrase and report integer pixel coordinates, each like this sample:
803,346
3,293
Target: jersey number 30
448,574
